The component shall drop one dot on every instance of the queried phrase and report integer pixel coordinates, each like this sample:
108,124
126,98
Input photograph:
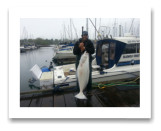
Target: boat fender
71,69
132,62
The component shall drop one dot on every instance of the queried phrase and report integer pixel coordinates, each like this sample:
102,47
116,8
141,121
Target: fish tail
81,96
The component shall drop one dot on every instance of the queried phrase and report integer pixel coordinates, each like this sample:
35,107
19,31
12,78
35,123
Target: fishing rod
95,29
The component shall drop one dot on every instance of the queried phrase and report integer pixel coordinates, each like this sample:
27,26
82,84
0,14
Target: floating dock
108,97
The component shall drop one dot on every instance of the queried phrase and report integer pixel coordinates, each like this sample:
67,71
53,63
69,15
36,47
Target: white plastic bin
45,78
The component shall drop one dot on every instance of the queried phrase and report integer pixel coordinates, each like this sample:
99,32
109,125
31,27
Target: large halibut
83,74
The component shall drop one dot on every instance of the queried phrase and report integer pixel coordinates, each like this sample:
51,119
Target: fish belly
83,77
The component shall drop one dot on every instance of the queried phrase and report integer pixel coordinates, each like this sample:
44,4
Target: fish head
86,53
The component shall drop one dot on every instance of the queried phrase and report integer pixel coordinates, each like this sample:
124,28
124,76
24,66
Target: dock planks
36,101
70,100
109,97
59,100
48,101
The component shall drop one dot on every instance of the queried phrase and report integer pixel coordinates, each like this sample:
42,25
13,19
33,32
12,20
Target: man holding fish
83,49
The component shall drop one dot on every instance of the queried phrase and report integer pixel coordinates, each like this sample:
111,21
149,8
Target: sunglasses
85,35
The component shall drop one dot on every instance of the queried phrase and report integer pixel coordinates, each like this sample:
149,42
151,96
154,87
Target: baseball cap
85,33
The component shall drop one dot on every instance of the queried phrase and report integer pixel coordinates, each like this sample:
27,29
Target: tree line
40,41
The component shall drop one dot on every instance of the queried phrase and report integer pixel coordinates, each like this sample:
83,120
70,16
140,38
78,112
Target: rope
103,86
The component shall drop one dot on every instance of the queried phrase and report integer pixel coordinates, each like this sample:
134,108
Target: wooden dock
108,97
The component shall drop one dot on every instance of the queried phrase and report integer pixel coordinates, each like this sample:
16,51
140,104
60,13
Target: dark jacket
88,47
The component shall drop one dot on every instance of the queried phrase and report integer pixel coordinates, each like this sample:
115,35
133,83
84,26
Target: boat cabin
120,51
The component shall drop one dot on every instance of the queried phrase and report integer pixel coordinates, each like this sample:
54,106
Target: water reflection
34,87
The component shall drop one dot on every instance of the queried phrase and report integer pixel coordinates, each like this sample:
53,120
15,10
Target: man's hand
81,45
82,49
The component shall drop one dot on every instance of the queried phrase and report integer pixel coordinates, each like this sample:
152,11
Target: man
79,48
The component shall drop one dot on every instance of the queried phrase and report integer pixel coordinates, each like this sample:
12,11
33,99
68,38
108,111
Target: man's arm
76,49
90,48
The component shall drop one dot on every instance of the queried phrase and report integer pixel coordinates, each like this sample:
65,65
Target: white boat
30,47
117,58
64,54
55,48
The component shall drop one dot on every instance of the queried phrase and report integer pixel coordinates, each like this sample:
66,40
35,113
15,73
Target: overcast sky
52,28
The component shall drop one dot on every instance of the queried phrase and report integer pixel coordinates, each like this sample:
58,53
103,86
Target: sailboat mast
64,31
69,32
125,27
119,30
75,30
71,28
63,34
122,31
131,25
95,30
87,27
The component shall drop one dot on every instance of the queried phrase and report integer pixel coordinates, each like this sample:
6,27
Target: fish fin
80,96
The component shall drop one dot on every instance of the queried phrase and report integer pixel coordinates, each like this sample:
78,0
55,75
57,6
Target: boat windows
99,50
112,50
105,53
105,49
138,48
130,48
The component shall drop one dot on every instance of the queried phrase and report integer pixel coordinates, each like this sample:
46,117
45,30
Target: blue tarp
45,69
